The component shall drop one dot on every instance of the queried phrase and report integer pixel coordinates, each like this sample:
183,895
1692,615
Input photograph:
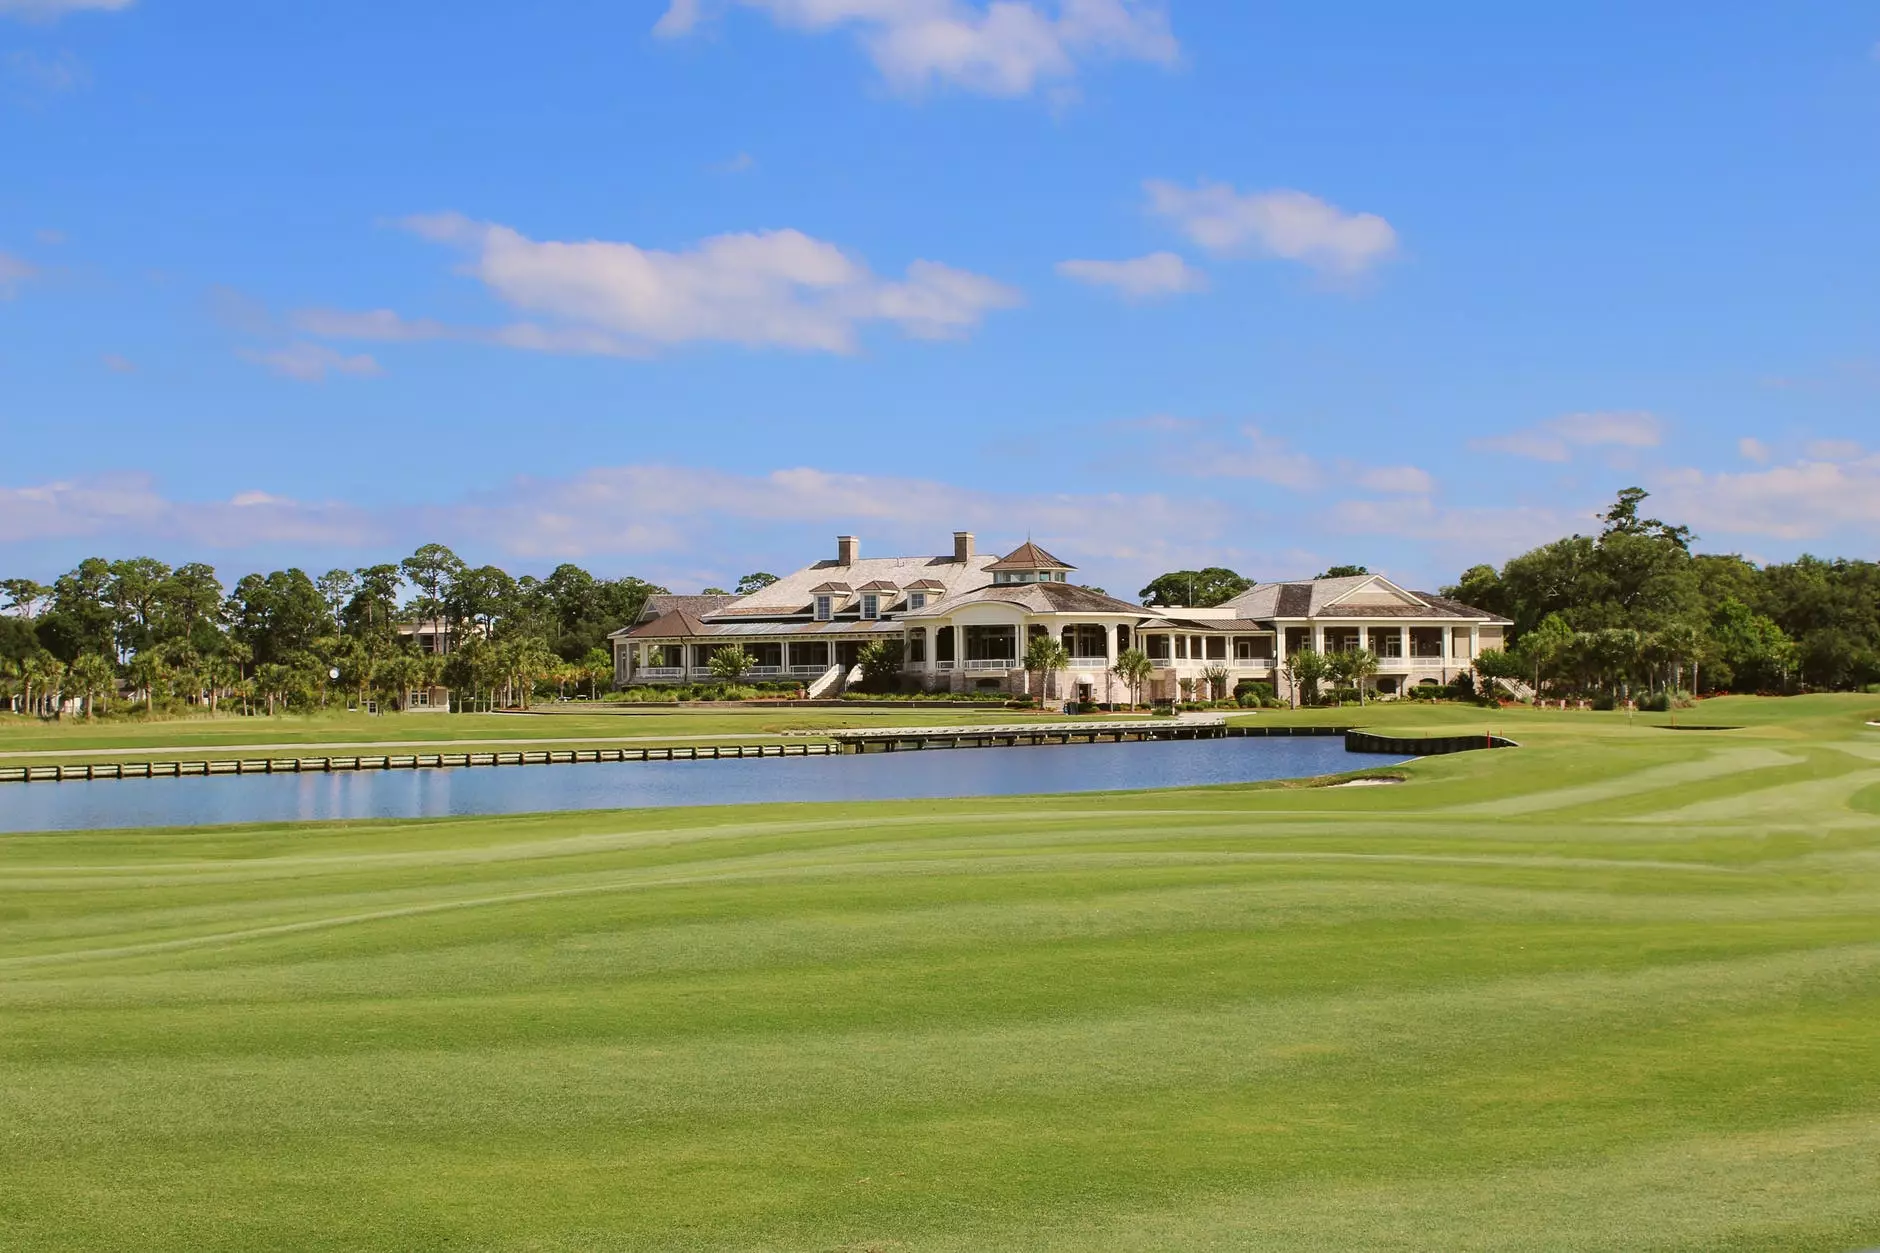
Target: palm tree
597,665
92,677
274,681
1217,676
43,671
219,673
1361,664
1133,667
1043,655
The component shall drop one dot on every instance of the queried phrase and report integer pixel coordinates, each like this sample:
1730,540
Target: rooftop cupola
1029,563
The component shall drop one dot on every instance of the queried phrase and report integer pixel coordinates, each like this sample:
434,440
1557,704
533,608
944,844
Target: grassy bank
1618,989
73,739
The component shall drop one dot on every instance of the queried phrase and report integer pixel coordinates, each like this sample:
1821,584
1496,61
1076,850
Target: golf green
1616,989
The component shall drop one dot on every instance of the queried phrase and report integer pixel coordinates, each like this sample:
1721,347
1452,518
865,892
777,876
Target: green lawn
1617,989
189,737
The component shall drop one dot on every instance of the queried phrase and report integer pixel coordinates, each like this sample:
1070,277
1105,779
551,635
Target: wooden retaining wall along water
1426,746
400,761
899,739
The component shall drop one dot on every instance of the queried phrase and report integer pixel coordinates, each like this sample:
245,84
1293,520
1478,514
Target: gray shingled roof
792,593
1028,556
1037,597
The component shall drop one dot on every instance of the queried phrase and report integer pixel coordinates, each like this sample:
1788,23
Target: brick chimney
962,546
848,550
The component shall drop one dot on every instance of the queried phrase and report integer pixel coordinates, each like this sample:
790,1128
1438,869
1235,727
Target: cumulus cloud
1475,533
1140,278
778,288
1752,449
131,506
1834,450
1292,225
311,363
1802,501
1003,48
46,10
1405,480
13,272
1557,439
1258,455
633,510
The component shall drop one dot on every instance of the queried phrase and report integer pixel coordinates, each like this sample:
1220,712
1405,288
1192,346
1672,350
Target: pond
931,773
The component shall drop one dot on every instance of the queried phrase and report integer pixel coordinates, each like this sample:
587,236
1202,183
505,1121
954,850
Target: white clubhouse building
963,620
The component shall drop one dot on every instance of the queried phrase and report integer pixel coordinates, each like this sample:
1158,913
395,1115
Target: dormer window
825,608
871,605
916,600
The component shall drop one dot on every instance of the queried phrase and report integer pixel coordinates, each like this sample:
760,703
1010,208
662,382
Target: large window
825,608
991,643
917,600
871,606
1086,639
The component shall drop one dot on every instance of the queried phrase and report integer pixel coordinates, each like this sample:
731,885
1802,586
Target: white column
1318,638
1403,645
931,652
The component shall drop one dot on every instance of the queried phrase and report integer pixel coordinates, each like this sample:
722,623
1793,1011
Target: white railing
991,663
1253,663
661,672
943,665
1090,663
703,672
1430,663
764,672
798,672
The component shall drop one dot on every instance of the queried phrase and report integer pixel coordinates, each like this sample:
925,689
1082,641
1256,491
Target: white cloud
1004,48
1752,449
652,512
765,289
311,363
1834,450
743,163
1806,500
1267,458
1292,225
1556,439
45,10
118,364
1407,480
13,271
1140,278
131,507
1473,533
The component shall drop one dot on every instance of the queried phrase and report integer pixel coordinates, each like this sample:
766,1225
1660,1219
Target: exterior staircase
828,683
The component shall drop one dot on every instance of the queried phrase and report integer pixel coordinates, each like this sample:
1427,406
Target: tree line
1634,609
138,630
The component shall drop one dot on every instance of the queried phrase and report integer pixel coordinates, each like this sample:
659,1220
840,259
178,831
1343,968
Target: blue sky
685,290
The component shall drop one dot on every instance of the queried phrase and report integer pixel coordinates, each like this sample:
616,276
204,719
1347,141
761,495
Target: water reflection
105,803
